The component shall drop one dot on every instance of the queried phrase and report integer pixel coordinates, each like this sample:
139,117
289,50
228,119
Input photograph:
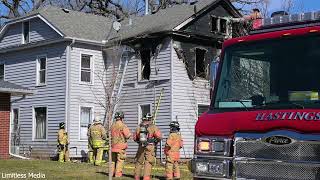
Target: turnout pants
97,153
172,170
90,155
145,159
118,159
63,154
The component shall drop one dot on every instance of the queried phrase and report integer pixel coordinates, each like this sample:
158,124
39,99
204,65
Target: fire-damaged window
219,25
145,69
201,66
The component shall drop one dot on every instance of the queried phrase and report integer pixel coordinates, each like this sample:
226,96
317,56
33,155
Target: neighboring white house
59,54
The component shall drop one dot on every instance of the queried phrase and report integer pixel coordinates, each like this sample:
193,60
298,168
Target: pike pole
154,120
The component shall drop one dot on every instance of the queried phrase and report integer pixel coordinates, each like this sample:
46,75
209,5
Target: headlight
215,146
218,146
214,168
201,167
204,145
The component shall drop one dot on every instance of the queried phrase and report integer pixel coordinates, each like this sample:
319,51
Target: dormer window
25,32
219,25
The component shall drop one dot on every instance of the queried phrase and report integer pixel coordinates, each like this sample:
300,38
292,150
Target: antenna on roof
65,10
192,2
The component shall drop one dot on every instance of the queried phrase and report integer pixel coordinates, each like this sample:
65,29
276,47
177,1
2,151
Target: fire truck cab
264,118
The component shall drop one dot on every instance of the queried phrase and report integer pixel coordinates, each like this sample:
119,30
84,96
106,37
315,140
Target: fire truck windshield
277,73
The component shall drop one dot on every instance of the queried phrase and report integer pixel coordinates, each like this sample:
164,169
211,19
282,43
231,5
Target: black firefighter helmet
61,125
147,117
174,126
119,115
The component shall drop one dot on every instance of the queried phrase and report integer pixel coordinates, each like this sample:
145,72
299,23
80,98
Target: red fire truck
264,119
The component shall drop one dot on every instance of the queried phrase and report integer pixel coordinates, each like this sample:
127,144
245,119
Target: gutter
86,41
67,103
30,45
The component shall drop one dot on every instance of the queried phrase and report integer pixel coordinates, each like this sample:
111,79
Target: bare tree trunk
110,143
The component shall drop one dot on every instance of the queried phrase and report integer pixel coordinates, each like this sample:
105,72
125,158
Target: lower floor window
143,110
85,119
202,109
40,122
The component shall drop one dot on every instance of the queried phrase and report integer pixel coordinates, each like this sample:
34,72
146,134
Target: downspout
67,100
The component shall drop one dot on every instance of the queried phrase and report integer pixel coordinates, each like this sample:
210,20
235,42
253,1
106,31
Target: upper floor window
26,32
144,66
1,72
219,25
41,70
86,68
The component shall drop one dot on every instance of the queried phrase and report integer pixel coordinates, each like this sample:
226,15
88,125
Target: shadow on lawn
132,176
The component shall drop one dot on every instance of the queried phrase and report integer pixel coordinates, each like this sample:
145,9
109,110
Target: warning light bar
288,22
293,18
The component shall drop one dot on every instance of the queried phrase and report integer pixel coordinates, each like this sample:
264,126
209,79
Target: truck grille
297,151
277,171
257,159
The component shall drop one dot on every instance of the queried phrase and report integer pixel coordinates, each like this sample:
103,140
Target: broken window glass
200,63
214,24
223,26
145,64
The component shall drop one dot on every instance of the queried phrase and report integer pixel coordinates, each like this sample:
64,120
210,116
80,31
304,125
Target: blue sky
300,5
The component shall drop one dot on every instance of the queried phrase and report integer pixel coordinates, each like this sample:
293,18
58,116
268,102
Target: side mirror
258,100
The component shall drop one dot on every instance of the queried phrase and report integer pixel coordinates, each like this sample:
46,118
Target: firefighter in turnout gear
90,149
172,151
98,136
63,143
147,136
120,134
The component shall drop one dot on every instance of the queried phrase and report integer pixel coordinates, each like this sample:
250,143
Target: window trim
79,122
22,32
140,115
34,123
91,69
140,66
38,84
4,69
195,63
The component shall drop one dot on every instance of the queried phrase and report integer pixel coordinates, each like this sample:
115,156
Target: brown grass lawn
55,170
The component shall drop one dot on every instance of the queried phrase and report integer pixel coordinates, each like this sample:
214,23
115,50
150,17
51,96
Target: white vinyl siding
40,123
41,70
86,68
86,116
